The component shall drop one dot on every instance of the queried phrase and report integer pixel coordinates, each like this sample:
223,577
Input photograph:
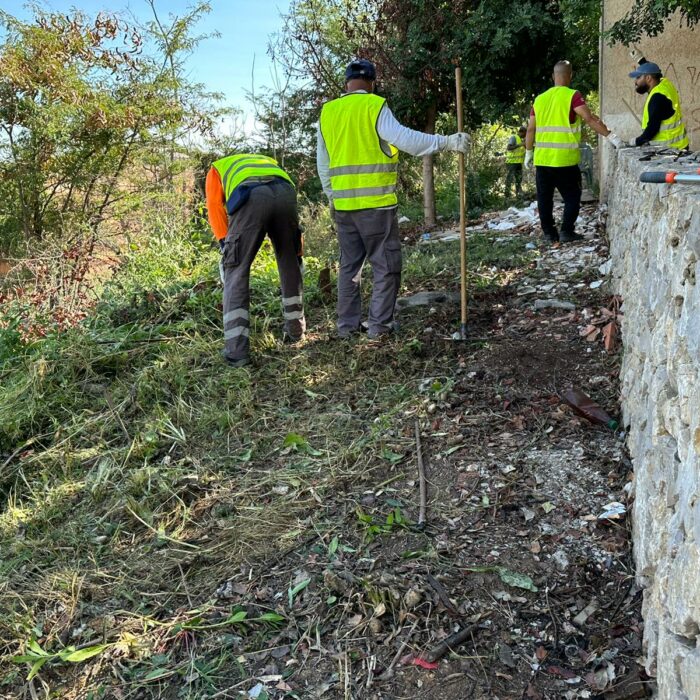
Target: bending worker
662,119
515,156
357,156
249,196
554,130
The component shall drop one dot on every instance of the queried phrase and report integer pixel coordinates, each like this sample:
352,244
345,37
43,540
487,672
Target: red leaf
564,673
410,659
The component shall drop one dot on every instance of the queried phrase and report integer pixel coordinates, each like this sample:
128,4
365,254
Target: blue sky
223,64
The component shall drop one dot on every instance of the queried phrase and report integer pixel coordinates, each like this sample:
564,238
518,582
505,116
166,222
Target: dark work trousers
271,209
568,181
371,234
514,174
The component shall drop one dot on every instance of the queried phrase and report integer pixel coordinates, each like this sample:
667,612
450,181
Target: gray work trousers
271,209
371,234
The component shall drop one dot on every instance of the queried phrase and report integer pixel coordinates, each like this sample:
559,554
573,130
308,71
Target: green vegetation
141,472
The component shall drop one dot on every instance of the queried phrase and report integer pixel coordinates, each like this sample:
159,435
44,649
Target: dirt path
514,551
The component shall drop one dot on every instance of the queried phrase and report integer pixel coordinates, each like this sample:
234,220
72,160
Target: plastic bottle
585,406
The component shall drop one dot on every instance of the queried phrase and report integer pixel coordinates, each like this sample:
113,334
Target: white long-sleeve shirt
390,130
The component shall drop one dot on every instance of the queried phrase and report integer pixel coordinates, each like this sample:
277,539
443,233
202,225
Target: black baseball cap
361,68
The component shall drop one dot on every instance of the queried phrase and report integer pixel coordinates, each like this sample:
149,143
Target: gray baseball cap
647,68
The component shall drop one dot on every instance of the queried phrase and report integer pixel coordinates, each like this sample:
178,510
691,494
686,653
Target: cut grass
152,473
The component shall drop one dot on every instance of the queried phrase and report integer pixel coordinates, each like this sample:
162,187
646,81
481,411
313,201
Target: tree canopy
650,17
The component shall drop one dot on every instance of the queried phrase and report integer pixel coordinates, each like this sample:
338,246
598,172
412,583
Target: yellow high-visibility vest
234,170
556,138
363,168
517,155
672,133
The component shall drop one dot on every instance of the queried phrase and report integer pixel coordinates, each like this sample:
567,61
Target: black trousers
568,181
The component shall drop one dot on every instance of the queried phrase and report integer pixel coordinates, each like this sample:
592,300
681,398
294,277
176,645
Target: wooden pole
462,211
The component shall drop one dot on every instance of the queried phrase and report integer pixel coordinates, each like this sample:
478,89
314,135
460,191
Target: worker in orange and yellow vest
249,196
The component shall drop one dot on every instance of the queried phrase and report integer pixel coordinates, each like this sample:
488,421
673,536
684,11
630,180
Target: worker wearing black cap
662,119
357,156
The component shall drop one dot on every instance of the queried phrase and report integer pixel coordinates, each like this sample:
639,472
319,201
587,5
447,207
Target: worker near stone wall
662,118
248,196
515,157
357,156
554,131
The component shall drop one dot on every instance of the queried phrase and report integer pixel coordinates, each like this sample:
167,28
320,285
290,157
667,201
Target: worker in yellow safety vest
357,157
515,157
662,119
554,132
248,196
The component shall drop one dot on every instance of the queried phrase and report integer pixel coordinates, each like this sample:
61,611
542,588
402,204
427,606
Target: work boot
235,362
289,339
570,237
380,335
347,333
550,236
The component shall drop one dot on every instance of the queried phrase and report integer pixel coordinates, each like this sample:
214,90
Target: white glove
615,140
528,159
458,142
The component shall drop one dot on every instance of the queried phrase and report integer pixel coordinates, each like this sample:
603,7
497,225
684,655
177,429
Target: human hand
528,159
458,142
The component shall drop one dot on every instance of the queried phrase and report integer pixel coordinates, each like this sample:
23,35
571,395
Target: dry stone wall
655,247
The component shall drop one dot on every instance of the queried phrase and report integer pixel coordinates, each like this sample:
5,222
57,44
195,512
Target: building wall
677,51
654,233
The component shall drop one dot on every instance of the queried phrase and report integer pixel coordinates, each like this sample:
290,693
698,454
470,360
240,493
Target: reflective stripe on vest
363,168
557,140
517,155
234,170
672,133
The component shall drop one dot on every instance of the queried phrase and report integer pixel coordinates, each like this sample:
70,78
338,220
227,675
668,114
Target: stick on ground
421,480
451,642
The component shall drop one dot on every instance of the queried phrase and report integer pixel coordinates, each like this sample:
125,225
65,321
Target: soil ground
355,599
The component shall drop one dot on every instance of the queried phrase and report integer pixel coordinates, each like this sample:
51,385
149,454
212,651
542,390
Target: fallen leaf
564,673
512,578
411,660
610,336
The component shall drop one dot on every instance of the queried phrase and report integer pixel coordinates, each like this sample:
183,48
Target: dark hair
656,76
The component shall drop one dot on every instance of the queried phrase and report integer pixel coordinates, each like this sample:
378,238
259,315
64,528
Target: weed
373,527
